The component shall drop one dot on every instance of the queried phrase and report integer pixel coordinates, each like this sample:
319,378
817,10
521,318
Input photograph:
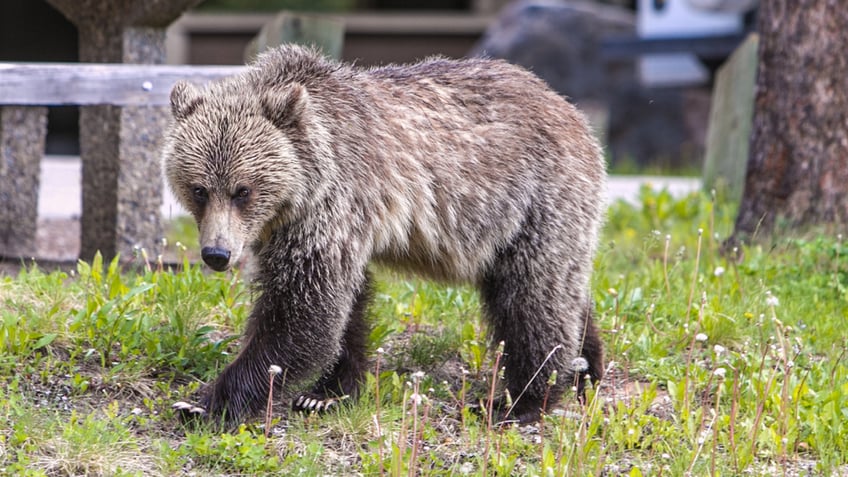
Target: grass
717,366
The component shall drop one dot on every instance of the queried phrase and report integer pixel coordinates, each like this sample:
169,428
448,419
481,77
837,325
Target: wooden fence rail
123,118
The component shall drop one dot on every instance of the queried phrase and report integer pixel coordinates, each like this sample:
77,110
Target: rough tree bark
797,172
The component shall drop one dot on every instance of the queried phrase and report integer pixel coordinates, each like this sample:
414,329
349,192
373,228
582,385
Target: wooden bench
121,178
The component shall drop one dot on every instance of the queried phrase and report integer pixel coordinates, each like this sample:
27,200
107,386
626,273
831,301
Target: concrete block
22,135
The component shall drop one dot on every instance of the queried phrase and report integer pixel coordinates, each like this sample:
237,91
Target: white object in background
734,6
679,19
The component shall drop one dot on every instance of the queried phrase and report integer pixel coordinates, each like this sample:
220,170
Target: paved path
60,195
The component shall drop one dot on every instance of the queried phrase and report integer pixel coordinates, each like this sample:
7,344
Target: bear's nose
216,258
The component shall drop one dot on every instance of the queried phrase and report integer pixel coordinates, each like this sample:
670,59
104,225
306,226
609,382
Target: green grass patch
719,365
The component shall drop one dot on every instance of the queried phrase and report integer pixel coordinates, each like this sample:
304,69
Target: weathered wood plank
731,119
53,84
323,31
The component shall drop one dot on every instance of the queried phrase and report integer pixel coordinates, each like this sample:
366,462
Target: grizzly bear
467,171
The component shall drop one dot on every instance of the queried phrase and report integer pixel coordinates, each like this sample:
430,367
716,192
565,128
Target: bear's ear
185,98
285,107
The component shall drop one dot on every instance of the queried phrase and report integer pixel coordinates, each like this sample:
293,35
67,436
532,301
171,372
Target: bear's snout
216,258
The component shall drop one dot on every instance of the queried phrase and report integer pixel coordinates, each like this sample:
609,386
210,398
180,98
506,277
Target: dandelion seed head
719,349
720,372
579,364
274,369
380,350
771,300
719,271
701,337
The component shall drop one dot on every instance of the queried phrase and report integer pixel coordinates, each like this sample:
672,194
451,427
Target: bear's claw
314,403
188,410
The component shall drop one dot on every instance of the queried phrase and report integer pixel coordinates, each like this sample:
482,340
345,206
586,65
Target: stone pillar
120,146
22,133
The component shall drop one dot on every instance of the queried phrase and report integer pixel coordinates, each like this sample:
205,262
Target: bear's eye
241,195
200,194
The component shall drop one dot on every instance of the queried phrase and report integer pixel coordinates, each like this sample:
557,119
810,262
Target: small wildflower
275,370
579,364
630,432
719,349
720,372
719,271
416,399
701,337
164,242
380,350
612,291
666,456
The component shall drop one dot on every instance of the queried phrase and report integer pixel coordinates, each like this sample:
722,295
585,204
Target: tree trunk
797,171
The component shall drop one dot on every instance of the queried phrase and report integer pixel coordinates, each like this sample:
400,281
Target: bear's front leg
297,324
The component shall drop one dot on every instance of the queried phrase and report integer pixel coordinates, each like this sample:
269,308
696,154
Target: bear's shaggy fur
469,171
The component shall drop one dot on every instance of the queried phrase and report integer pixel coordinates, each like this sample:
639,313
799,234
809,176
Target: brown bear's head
231,159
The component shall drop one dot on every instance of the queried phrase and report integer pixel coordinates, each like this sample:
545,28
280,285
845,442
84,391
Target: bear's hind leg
537,304
344,378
